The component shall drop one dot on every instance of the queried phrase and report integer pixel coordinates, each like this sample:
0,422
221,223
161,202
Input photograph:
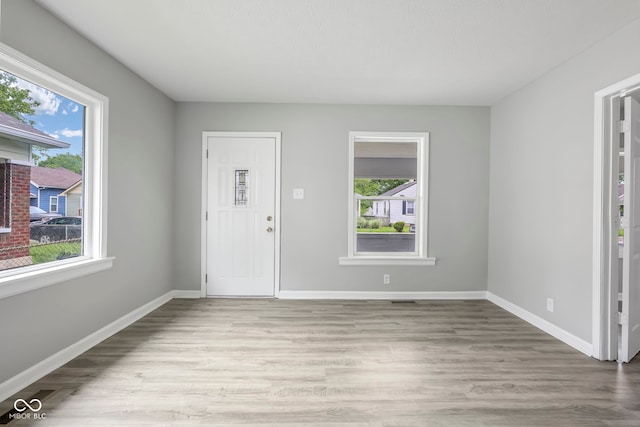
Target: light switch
298,193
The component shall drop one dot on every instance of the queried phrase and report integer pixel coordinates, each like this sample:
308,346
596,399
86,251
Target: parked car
56,229
37,214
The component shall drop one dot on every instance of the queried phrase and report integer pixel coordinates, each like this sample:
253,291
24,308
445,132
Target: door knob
269,218
269,229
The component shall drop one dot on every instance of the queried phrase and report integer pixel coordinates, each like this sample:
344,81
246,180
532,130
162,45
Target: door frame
205,195
605,222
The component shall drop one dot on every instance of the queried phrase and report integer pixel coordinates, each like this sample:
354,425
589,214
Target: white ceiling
433,52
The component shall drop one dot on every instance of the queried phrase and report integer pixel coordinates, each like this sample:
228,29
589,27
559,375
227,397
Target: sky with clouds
56,116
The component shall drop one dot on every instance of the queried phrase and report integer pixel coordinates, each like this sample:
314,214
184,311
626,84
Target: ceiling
411,52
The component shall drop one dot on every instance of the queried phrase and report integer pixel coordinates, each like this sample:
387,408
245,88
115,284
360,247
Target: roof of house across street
53,178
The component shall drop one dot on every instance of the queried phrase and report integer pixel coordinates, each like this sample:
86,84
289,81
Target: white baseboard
367,295
39,370
546,326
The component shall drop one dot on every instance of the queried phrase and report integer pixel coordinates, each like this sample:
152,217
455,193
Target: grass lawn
53,251
383,230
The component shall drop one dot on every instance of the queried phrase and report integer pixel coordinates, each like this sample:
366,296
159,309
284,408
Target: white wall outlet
386,279
298,193
550,304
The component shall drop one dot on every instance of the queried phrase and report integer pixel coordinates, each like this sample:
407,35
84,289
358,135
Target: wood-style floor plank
334,363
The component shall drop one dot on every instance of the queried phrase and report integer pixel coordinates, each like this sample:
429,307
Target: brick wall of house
5,195
16,193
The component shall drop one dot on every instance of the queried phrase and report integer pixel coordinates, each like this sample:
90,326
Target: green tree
72,162
14,101
387,184
365,187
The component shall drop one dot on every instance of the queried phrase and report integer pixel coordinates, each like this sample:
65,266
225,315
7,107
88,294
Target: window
53,204
31,255
242,189
388,199
409,207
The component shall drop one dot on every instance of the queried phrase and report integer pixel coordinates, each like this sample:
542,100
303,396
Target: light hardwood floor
278,362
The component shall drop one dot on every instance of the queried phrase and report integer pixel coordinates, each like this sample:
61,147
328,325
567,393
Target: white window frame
421,203
94,256
51,204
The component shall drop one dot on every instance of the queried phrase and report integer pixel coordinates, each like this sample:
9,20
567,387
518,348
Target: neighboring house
47,186
16,141
390,211
73,197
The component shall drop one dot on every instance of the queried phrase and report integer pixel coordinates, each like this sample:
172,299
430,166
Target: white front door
631,262
241,210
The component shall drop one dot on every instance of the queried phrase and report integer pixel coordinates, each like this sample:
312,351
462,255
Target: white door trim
605,289
204,197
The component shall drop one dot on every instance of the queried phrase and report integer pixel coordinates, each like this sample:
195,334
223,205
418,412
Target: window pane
242,187
385,168
385,226
41,162
385,160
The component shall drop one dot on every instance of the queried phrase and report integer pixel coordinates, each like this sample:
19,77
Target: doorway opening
616,274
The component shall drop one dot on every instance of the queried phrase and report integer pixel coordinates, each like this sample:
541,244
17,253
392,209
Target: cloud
49,101
70,133
67,133
70,108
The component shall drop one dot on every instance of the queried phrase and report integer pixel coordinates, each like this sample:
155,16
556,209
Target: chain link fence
39,253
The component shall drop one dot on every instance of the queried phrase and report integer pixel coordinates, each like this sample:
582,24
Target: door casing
605,222
630,321
204,203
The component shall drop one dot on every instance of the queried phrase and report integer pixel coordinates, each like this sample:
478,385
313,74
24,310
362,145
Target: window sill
386,260
5,230
27,281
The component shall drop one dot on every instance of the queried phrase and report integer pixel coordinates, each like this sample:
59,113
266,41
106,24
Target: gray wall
37,324
315,157
541,204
